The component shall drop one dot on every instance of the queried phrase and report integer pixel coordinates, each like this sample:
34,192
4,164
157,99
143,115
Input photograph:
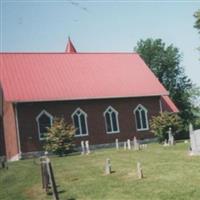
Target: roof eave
86,98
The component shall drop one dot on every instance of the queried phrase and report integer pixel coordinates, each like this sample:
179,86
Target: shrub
59,138
160,125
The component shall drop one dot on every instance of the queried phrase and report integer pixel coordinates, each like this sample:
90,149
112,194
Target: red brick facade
10,131
2,145
27,113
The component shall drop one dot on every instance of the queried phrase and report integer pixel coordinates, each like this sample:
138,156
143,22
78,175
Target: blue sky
100,26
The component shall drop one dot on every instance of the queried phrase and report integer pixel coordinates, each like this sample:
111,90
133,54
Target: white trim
38,124
117,120
17,130
92,98
79,122
146,118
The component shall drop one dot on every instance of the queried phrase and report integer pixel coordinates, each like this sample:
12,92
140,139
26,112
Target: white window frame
38,124
146,118
117,120
86,123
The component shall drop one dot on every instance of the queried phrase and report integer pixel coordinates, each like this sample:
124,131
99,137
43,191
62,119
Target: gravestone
83,150
108,167
129,144
194,141
87,147
170,137
135,144
117,144
139,171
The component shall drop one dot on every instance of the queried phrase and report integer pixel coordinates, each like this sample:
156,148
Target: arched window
111,120
141,118
44,120
80,122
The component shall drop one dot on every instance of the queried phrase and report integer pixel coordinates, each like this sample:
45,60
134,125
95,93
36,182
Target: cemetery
129,170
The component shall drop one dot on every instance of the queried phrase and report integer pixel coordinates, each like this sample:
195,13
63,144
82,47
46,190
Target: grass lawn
169,174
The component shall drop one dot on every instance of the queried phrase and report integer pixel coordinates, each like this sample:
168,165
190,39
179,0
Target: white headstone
82,148
129,144
87,147
135,144
170,137
194,141
107,166
117,143
139,171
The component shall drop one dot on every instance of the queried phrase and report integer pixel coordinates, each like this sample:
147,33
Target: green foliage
197,22
165,61
59,139
160,125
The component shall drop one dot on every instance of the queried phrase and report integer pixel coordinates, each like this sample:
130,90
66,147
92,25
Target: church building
105,95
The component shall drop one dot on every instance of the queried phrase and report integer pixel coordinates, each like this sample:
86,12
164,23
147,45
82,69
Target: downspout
17,130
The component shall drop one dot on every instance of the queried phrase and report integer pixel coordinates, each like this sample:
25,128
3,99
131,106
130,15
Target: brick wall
2,145
27,113
10,131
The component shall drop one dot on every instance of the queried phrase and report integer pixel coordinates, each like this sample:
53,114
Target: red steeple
70,47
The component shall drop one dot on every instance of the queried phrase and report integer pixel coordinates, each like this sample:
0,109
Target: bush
59,138
160,125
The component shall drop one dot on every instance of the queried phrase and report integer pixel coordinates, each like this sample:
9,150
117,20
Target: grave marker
82,148
194,141
117,144
135,144
108,167
129,144
139,171
87,147
170,137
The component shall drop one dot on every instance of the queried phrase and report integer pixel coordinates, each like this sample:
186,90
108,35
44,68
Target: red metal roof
65,76
168,104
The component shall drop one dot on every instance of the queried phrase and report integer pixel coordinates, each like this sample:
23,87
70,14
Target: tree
59,138
165,62
160,125
197,22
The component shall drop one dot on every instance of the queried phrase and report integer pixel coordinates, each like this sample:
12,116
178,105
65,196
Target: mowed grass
169,173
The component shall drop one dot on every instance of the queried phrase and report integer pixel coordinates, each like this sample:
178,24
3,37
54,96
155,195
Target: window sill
114,132
81,135
146,129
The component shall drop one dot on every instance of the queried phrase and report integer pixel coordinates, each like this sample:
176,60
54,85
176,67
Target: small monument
83,150
135,144
108,167
139,171
87,147
194,141
117,143
129,144
170,137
